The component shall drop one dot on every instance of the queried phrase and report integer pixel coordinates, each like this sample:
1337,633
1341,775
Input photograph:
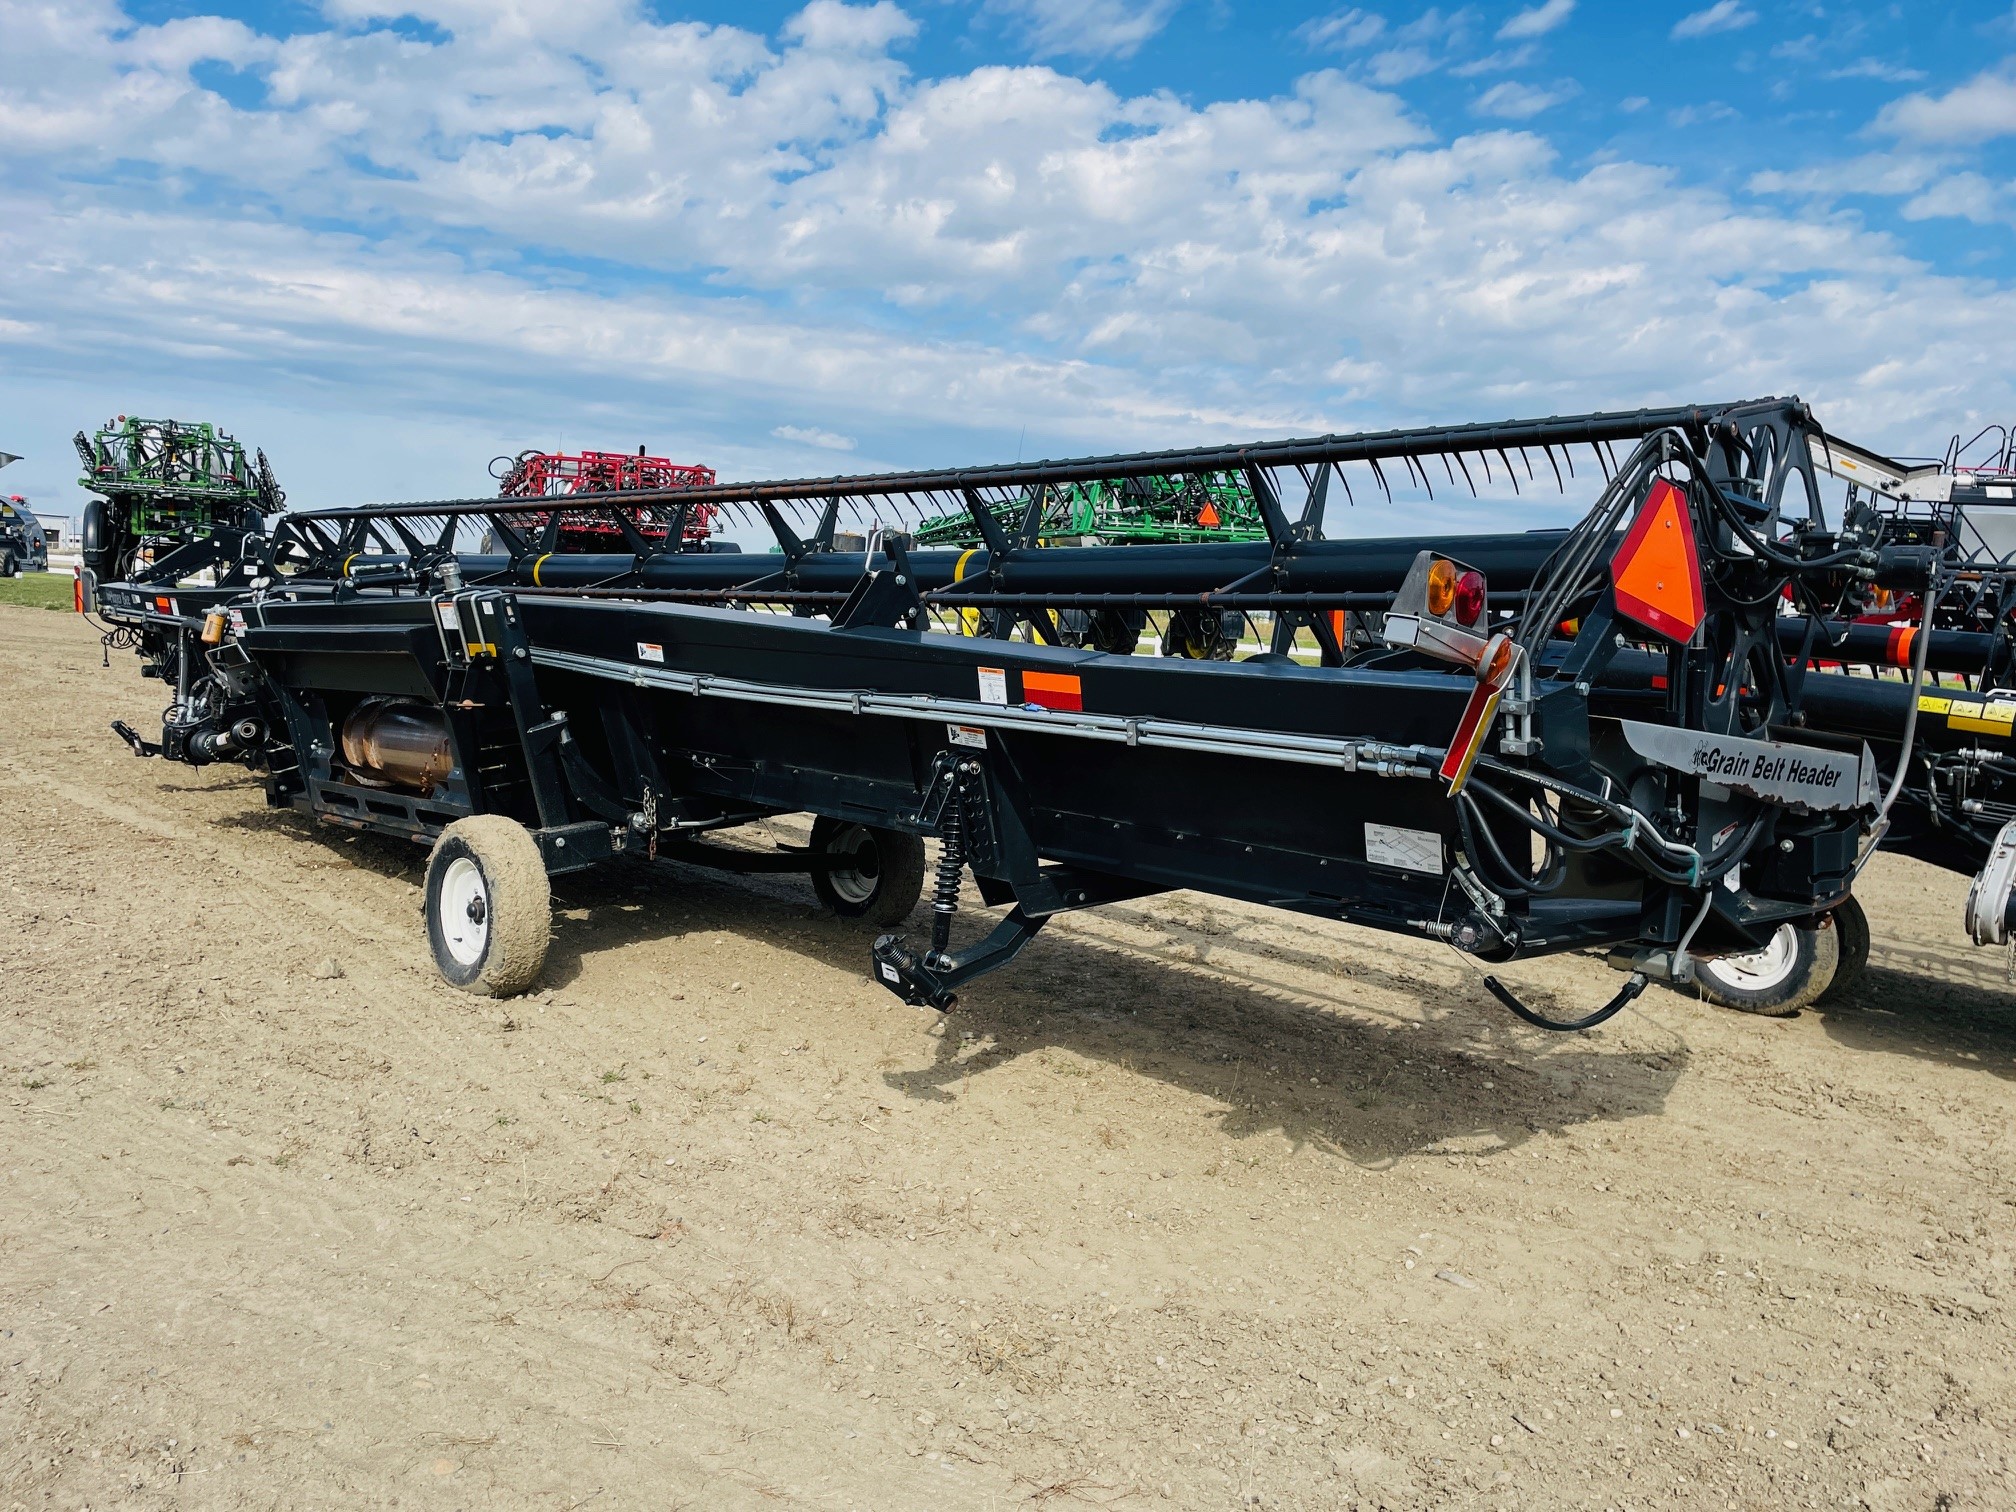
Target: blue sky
388,240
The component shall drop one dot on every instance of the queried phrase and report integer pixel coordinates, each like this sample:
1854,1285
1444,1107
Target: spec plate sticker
966,735
445,613
1408,849
994,685
650,651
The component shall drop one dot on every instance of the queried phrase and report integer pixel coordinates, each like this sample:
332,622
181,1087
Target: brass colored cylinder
397,743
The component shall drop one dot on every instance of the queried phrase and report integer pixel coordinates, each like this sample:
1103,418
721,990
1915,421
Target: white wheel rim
1761,969
856,886
465,911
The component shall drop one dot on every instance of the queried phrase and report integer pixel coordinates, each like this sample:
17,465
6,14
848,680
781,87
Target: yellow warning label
1995,718
1929,704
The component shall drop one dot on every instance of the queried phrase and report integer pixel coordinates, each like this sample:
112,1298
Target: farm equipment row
1644,736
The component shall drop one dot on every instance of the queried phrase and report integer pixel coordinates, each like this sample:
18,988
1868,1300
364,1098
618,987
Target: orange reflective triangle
1208,516
1657,571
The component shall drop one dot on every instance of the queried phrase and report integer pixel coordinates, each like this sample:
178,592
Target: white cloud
1537,21
1418,47
1722,16
1087,28
1960,196
1343,30
1982,108
1513,101
1503,61
804,435
1880,69
1695,115
1883,173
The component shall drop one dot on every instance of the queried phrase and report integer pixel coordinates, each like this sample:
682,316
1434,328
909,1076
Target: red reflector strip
1468,742
1052,690
1900,645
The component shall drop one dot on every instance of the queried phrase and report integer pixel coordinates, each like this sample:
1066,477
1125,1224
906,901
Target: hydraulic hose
1919,651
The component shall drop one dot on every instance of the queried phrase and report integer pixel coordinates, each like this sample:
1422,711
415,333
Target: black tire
1788,973
1203,635
1851,929
885,882
6,564
489,906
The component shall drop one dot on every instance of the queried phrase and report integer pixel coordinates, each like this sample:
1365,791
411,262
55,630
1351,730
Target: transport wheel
885,876
6,564
489,905
1795,966
1851,930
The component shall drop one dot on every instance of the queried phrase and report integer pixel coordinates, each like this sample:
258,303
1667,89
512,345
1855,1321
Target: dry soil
1198,1206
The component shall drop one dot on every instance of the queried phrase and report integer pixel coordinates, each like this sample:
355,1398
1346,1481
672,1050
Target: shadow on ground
1269,1058
1955,1007
1457,1077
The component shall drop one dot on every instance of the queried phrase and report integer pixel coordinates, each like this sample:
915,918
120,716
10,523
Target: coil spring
951,871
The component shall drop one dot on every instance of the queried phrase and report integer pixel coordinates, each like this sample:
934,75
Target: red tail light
1468,601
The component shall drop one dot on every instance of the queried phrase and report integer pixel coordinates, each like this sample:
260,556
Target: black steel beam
1501,437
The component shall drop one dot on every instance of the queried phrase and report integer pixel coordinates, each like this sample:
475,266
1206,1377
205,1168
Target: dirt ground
1198,1206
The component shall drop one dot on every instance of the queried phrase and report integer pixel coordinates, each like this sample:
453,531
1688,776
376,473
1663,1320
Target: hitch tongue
904,973
932,979
131,736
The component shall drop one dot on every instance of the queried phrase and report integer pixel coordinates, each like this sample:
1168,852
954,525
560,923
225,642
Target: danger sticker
445,612
650,651
966,735
994,685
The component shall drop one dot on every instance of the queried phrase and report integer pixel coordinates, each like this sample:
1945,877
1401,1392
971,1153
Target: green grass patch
40,590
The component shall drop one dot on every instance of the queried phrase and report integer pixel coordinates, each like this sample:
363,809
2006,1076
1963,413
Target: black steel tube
1892,646
1508,562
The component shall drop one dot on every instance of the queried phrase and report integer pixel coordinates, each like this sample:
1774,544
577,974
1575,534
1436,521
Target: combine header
165,484
1614,738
